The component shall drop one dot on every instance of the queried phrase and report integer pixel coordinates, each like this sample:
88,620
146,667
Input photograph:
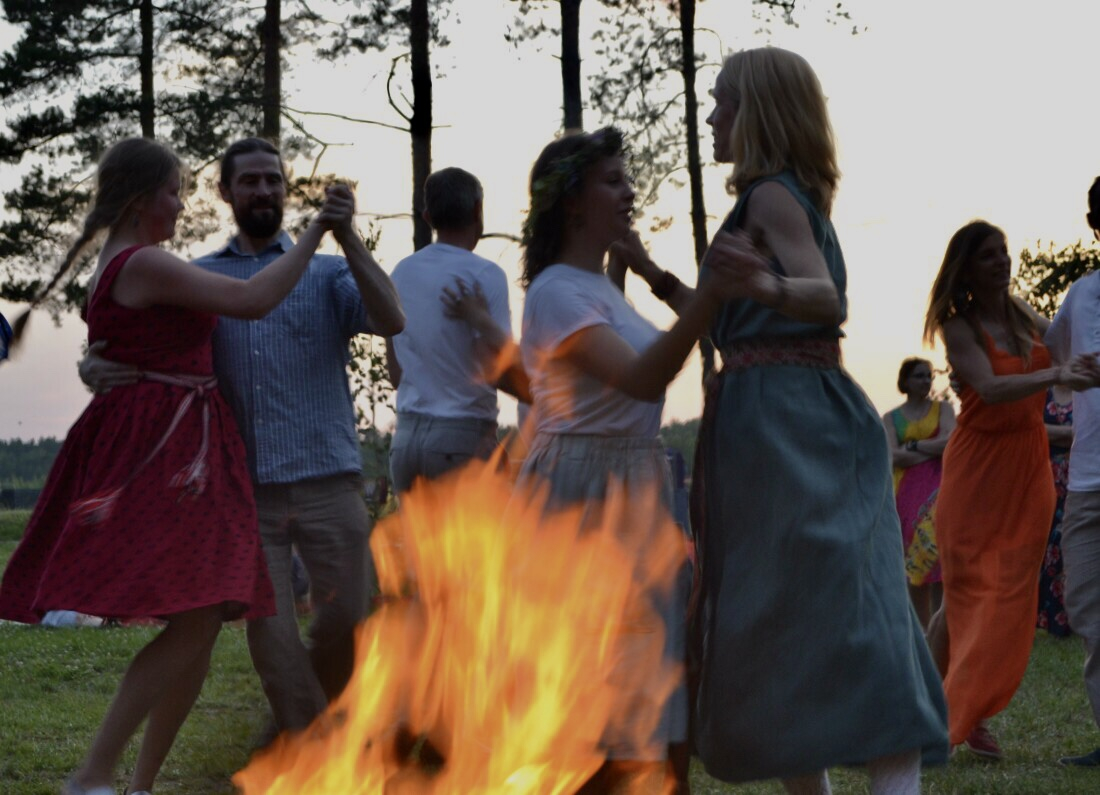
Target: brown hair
246,146
558,174
127,172
951,297
906,369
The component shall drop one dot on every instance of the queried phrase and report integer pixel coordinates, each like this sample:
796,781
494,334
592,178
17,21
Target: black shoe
1087,760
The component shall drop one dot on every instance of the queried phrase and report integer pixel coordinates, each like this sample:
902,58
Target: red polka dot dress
123,529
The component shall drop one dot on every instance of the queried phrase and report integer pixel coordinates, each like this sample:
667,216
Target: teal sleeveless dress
809,654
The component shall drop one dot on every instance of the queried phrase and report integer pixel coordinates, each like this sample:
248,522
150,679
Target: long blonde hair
128,171
782,123
951,297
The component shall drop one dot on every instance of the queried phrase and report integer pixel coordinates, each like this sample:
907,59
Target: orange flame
495,662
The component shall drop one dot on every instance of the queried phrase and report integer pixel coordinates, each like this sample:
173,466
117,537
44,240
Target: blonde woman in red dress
148,509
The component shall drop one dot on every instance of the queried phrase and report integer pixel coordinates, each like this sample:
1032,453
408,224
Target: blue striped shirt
285,375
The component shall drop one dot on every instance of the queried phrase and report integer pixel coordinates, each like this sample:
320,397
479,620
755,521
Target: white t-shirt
1076,329
561,301
440,374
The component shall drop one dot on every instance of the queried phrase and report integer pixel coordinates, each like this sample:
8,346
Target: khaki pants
1081,562
327,520
427,447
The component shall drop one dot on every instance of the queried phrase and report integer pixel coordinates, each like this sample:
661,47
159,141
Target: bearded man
285,377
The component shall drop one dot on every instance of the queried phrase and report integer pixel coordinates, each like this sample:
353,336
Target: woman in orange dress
996,496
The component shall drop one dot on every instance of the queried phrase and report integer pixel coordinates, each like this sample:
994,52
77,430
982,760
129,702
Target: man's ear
427,218
223,191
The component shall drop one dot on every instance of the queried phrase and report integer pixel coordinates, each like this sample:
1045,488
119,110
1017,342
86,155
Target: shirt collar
232,248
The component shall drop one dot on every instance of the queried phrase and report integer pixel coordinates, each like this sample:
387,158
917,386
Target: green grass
55,686
57,683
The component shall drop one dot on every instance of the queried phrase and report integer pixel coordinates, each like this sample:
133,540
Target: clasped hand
337,213
734,268
1081,372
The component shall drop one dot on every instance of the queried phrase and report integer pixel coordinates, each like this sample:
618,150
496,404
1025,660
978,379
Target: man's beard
259,226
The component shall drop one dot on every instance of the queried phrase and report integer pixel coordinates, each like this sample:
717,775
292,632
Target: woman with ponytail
148,509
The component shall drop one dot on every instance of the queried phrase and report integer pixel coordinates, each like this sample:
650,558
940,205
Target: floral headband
566,173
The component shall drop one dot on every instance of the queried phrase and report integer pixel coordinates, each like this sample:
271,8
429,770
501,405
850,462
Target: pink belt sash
191,480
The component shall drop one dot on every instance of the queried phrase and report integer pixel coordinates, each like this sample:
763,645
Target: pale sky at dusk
945,111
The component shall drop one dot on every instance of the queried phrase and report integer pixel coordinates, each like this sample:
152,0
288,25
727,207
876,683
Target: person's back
442,374
446,397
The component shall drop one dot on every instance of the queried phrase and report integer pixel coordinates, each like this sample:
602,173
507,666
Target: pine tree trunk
695,166
271,32
147,108
420,126
571,64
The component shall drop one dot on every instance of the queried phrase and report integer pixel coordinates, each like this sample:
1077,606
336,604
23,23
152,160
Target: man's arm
392,365
100,374
375,288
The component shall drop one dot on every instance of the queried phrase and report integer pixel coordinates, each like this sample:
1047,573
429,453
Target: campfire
491,664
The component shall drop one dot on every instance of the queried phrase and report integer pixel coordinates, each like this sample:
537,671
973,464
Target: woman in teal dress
810,654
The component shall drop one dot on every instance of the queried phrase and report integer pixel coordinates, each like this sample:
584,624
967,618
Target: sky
944,110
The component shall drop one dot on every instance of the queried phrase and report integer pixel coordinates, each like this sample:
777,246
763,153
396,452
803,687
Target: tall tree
84,74
420,123
381,24
530,23
271,34
572,105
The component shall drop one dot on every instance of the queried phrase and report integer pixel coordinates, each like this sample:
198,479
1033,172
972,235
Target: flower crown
566,173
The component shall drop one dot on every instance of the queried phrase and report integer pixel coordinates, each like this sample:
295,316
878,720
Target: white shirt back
440,374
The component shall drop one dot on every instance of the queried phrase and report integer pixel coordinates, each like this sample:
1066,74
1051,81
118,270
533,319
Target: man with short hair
442,367
285,377
1075,330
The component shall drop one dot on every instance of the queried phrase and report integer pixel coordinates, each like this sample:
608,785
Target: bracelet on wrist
911,446
665,285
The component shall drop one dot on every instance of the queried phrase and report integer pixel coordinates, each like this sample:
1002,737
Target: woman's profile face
990,269
918,384
606,200
721,120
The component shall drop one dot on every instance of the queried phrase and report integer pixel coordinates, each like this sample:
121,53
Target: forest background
944,111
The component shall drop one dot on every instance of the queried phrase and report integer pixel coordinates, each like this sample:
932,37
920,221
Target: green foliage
682,437
26,464
72,85
1043,277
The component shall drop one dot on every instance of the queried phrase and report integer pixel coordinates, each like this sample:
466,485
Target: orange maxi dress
992,519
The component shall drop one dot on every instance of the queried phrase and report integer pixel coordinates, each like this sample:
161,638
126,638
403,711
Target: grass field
55,685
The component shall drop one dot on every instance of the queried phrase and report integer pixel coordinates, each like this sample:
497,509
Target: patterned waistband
190,480
821,354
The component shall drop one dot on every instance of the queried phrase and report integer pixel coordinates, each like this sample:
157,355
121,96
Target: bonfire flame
493,664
